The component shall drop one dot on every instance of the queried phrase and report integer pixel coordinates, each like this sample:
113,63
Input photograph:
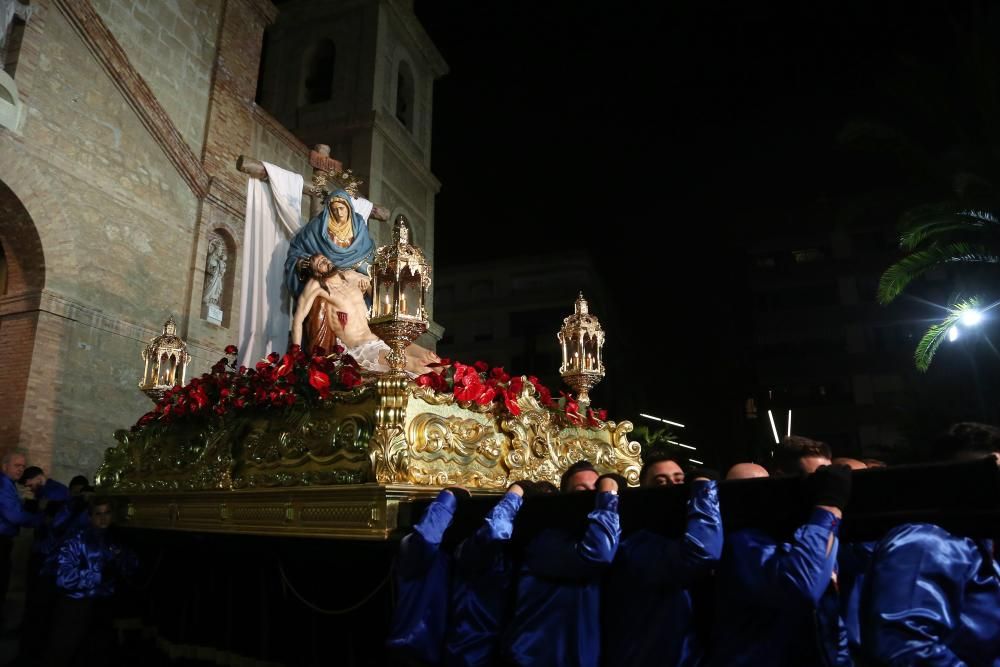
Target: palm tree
945,235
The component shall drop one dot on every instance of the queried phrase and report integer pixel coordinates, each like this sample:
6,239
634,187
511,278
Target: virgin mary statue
339,233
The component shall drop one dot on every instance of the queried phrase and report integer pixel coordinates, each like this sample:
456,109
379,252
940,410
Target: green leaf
935,335
902,273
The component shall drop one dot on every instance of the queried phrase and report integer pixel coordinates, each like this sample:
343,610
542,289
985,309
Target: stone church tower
359,75
120,205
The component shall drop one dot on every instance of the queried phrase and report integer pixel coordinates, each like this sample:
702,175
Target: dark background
667,138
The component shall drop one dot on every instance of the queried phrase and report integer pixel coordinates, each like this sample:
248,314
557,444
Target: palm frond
900,274
935,221
935,335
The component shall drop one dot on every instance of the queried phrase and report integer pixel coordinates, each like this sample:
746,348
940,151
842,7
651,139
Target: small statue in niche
215,270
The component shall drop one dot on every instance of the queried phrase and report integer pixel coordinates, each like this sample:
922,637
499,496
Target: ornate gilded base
342,469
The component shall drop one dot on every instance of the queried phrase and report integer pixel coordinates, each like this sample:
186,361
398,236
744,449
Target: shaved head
746,471
853,464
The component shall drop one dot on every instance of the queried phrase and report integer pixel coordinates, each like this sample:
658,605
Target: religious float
337,440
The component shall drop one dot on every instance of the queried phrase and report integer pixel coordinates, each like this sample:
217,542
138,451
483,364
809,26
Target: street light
971,317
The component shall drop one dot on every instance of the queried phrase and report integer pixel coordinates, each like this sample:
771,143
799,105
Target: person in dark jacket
12,518
89,568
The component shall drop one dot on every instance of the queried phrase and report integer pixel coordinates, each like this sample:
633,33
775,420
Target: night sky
668,137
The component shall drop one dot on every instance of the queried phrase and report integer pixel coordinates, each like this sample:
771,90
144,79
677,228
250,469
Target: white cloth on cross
273,215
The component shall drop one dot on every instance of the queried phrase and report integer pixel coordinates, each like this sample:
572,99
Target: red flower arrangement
279,381
483,385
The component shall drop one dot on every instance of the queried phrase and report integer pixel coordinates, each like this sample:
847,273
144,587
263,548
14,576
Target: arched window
11,34
319,72
404,95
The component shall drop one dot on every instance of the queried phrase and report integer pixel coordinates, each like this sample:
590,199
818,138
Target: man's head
746,471
12,465
33,478
968,441
320,266
797,455
340,210
853,464
77,485
100,513
661,470
580,476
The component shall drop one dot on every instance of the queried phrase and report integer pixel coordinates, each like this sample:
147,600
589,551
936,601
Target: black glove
707,473
619,480
458,492
832,486
526,485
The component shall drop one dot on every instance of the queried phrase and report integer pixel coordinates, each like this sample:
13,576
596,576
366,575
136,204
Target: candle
402,303
385,311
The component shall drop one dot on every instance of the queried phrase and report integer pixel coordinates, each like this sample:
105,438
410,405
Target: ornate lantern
166,358
582,340
400,278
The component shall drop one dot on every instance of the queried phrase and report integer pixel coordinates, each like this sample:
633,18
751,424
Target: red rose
319,380
273,357
239,403
294,349
231,349
481,366
223,393
338,349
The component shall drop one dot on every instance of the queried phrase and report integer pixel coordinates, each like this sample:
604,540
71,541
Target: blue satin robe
481,590
90,565
557,613
649,578
777,605
853,561
933,599
422,571
12,514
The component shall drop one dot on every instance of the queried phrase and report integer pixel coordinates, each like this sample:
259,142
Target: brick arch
22,247
25,266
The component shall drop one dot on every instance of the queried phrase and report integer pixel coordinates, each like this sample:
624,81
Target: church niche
220,268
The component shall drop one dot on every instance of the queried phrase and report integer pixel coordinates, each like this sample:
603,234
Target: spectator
90,566
12,518
78,485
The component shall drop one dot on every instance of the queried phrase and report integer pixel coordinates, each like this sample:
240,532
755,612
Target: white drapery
273,216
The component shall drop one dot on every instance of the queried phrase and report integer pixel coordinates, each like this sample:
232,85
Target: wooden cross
324,168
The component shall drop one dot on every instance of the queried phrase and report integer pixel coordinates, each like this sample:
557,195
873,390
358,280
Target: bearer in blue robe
651,577
420,619
557,607
481,585
777,602
932,597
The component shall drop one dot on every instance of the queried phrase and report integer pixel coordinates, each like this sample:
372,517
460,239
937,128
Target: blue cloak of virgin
315,238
